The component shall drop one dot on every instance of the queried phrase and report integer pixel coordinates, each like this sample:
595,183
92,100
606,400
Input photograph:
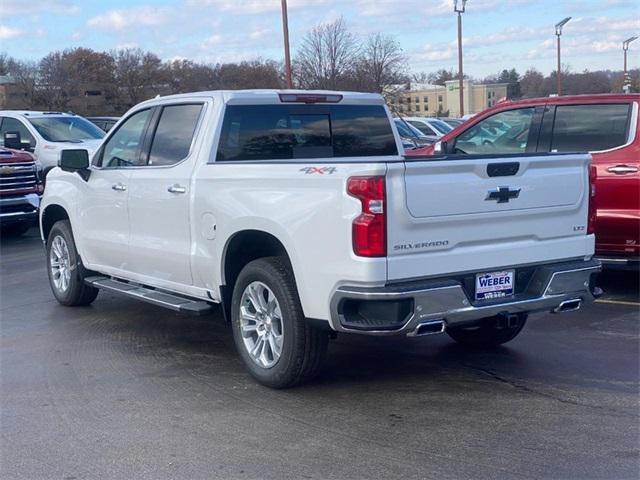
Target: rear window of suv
284,132
590,128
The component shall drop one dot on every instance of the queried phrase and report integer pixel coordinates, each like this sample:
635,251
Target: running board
156,297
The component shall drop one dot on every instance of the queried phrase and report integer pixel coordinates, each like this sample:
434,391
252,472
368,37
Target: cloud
507,36
252,7
212,40
126,45
7,33
260,33
431,53
28,7
143,16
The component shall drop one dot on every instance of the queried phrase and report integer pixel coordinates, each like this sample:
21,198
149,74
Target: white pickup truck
297,212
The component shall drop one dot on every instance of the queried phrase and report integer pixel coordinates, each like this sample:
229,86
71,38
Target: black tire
77,292
15,229
490,332
303,348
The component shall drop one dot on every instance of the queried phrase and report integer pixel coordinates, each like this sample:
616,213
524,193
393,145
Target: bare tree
188,76
138,75
381,64
55,83
327,57
67,74
248,74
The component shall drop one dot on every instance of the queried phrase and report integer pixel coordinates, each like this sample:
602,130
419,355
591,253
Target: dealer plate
494,285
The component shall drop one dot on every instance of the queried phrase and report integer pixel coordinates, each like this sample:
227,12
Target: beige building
422,100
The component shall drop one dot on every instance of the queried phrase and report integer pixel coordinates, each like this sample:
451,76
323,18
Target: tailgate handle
503,169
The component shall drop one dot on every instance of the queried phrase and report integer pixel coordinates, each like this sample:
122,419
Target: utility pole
458,7
287,55
559,26
626,82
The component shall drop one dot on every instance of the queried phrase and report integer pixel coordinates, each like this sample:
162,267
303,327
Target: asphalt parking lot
128,390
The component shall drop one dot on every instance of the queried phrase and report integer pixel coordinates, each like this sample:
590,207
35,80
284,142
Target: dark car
104,123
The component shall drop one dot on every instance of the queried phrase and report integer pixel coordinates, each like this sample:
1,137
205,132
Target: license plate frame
494,285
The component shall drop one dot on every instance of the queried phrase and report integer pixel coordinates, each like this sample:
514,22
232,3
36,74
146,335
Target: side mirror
13,140
76,160
440,148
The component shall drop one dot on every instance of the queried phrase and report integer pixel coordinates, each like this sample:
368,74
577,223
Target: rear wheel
276,343
65,269
490,332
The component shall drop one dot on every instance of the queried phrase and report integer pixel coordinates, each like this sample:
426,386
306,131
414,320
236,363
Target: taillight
591,221
309,98
370,227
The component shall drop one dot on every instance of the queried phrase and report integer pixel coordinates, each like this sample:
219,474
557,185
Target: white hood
90,145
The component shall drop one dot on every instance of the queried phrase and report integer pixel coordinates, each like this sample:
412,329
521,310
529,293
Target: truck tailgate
480,214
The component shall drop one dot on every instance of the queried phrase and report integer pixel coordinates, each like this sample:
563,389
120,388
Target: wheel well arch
51,215
244,247
248,245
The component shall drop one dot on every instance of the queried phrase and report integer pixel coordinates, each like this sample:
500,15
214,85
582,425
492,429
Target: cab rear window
288,132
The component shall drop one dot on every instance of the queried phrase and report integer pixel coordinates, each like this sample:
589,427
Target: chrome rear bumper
549,287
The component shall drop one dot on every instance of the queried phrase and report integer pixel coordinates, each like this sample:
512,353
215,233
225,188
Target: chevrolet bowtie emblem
6,170
503,194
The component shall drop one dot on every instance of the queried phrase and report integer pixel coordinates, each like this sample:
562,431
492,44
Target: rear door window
590,128
174,134
283,132
502,133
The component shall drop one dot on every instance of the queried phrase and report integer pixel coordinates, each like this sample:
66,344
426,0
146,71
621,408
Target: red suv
604,125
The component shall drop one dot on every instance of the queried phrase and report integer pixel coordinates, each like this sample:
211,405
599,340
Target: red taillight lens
370,227
591,221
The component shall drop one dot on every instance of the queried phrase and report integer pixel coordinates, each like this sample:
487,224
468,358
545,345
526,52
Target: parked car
410,134
605,125
45,134
452,122
20,189
104,123
429,126
297,213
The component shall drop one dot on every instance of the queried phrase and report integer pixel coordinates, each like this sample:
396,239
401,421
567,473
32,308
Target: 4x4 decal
318,170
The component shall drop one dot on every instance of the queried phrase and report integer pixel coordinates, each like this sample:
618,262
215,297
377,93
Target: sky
497,34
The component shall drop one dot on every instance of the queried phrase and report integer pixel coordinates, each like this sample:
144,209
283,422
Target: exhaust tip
433,327
569,306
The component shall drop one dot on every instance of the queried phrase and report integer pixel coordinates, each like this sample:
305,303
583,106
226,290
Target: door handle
119,187
622,169
176,189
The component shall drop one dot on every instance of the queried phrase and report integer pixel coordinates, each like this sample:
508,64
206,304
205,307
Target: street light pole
558,74
458,7
626,85
287,55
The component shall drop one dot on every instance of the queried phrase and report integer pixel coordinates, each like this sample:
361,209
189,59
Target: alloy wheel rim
261,324
60,264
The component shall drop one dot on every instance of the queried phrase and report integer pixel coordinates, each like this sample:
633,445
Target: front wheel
490,332
65,269
276,343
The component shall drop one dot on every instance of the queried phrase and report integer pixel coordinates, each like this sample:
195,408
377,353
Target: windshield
407,130
441,126
66,129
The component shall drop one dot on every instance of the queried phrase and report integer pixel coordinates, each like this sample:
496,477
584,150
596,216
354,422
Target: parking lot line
618,302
